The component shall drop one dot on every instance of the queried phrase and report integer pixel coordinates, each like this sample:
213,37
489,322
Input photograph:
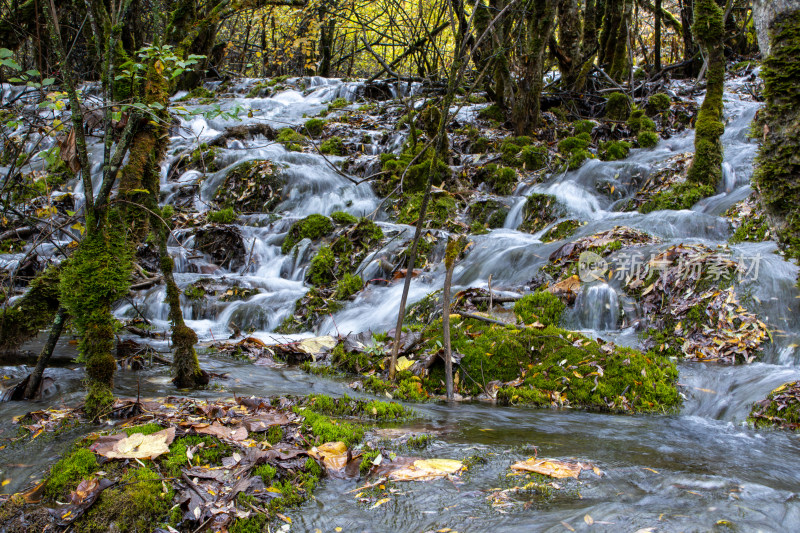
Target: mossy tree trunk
709,30
613,52
539,22
778,164
568,48
33,311
140,187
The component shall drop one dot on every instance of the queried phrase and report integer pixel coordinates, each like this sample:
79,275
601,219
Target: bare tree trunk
46,353
453,249
657,59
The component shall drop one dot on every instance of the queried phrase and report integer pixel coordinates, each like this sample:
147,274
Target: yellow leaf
404,363
159,66
588,519
380,502
6,482
427,469
552,468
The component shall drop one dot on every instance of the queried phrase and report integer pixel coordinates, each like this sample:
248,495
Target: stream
702,469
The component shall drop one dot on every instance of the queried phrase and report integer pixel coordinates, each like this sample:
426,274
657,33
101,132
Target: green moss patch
311,227
562,230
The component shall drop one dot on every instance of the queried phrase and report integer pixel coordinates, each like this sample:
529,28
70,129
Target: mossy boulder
500,180
311,227
618,106
252,187
542,307
647,139
333,146
540,211
488,213
679,196
292,140
441,207
614,150
658,103
639,122
562,230
314,126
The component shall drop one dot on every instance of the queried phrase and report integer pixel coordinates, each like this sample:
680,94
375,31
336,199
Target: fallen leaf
427,469
136,446
404,363
588,519
552,468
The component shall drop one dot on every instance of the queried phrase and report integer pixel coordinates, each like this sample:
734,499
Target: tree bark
47,351
777,166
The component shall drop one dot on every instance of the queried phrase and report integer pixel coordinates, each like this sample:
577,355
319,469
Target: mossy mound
542,366
414,176
311,227
575,149
749,222
314,126
540,211
252,187
488,213
542,307
618,106
614,150
441,208
492,113
658,103
292,140
562,230
679,196
333,146
780,409
501,180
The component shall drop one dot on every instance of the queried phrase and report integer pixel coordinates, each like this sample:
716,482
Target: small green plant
223,216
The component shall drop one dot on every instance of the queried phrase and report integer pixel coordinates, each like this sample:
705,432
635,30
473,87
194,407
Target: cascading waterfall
691,470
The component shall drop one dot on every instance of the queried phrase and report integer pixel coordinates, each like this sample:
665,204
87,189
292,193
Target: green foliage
752,229
209,451
541,306
223,216
583,126
514,154
501,180
311,227
32,312
367,456
339,103
353,407
562,230
618,106
681,196
69,471
639,122
558,366
197,93
326,429
323,266
315,126
614,150
266,472
347,286
647,139
292,140
575,148
332,146
340,217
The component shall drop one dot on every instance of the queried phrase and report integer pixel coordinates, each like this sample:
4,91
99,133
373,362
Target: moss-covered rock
562,230
639,122
488,213
658,103
333,146
311,227
540,211
647,139
614,150
543,307
618,106
778,124
680,196
252,187
441,208
314,126
292,140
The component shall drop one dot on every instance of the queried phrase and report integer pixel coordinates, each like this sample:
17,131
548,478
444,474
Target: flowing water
700,470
